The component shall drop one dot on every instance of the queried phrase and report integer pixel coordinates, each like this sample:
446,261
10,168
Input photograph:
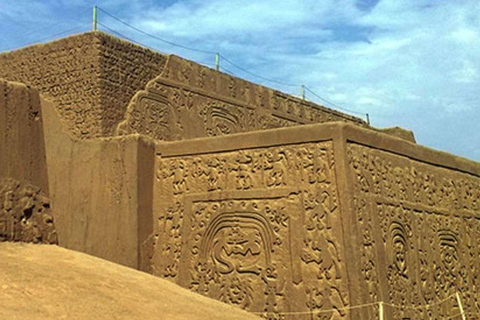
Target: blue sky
410,63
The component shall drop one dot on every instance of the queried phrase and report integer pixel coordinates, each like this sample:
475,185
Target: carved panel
421,222
25,214
239,252
189,100
258,228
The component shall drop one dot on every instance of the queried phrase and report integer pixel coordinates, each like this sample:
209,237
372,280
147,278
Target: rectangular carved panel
201,102
257,228
420,231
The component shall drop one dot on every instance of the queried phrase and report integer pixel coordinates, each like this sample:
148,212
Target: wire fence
304,92
462,314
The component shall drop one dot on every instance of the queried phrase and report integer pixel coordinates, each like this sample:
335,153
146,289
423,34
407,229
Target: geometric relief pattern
25,214
189,100
424,223
259,228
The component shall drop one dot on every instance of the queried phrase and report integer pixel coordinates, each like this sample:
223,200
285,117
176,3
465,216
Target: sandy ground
50,282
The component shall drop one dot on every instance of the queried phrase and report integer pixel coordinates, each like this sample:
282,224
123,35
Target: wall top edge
338,131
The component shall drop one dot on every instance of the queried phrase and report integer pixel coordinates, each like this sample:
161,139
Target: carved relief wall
420,231
189,100
256,228
25,213
90,77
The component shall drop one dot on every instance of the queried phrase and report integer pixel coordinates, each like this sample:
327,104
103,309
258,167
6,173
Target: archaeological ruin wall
25,212
230,189
317,218
188,100
90,77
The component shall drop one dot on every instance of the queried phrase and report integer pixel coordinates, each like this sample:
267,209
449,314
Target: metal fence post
94,18
460,307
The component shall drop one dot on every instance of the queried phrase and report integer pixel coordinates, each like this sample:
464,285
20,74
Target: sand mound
50,282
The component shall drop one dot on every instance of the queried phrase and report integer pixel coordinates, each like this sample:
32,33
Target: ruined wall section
257,228
66,72
189,101
91,78
419,227
24,204
25,213
22,145
125,68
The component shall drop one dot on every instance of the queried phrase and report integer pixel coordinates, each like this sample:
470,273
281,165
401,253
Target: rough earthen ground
50,282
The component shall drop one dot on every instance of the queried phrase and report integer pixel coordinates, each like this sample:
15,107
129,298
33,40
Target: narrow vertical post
460,307
368,119
94,18
303,92
217,61
380,311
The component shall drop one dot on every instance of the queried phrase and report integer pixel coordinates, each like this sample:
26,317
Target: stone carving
189,100
233,249
154,117
25,214
422,211
170,223
240,234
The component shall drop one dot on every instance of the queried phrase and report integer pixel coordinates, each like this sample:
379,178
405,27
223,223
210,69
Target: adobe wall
91,77
417,214
24,203
101,192
188,100
317,217
22,155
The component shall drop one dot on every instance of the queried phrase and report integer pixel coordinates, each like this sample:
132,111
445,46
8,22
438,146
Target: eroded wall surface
22,145
419,233
318,219
25,213
100,192
190,101
91,77
257,228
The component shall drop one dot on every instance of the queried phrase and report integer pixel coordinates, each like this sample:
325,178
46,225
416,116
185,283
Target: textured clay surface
91,77
190,101
25,214
49,282
318,219
22,145
100,190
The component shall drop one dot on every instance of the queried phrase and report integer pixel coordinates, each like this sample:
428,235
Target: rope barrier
380,304
79,27
258,76
126,38
426,306
217,55
153,36
320,311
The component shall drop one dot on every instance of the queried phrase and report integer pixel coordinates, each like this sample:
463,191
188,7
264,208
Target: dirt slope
50,282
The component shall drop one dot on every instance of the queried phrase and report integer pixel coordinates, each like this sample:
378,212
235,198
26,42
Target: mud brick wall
100,190
22,145
420,227
252,224
188,100
125,68
317,218
91,77
25,213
